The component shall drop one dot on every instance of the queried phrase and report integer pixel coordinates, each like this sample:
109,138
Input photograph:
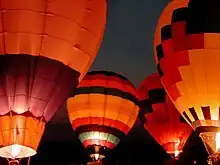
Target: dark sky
127,47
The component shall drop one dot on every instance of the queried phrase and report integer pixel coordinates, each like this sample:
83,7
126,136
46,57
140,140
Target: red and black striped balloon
160,117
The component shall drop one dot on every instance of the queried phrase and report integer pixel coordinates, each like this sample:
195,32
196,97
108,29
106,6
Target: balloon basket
214,159
175,157
13,162
95,163
17,161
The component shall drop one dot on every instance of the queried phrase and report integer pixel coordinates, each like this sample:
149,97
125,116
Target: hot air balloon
102,110
187,53
160,117
46,47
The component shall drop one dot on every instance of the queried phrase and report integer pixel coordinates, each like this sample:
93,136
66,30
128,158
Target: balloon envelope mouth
173,148
97,157
15,151
174,153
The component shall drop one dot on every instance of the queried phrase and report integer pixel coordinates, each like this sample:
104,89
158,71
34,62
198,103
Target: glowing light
217,139
96,156
95,135
15,150
176,148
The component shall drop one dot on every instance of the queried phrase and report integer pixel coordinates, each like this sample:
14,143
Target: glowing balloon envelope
46,47
102,110
187,53
160,117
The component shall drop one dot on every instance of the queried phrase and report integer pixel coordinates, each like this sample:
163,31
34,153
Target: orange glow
103,110
187,59
20,136
95,163
160,117
217,139
177,148
75,43
46,47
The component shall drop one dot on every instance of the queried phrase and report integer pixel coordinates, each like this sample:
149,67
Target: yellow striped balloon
102,111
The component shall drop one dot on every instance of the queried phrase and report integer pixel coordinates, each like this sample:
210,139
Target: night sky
127,48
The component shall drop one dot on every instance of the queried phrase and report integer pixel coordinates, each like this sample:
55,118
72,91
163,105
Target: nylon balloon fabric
187,55
46,47
103,109
160,117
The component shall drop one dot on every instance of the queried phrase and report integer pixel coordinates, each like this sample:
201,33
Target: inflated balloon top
102,110
46,47
160,117
187,53
62,30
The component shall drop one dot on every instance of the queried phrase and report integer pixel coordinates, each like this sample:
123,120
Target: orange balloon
187,53
46,47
